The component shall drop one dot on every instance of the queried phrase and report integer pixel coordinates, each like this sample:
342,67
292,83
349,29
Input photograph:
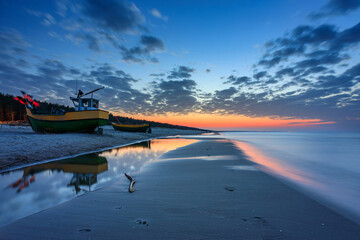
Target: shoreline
76,155
23,147
210,191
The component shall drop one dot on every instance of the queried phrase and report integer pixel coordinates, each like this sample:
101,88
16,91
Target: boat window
85,102
95,103
76,102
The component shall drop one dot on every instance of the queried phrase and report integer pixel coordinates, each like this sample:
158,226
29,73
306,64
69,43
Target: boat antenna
76,87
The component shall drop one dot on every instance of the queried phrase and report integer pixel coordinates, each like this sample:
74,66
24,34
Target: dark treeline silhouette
12,110
127,120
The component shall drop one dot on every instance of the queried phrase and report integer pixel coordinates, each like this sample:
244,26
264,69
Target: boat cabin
85,104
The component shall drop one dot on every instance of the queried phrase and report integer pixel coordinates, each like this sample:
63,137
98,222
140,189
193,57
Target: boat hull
82,121
131,128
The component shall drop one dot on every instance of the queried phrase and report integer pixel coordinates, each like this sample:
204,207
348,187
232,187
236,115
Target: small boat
131,128
86,117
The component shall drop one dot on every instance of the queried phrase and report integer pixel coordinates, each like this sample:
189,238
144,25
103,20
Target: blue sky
259,59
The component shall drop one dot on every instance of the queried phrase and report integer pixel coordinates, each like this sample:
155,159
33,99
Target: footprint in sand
142,222
230,189
268,231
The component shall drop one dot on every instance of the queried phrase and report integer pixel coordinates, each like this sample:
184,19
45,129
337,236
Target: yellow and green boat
131,128
86,117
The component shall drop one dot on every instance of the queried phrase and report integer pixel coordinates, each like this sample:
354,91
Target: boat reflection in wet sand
84,168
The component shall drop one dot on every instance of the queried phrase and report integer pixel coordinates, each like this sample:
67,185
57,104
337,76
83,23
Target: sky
223,65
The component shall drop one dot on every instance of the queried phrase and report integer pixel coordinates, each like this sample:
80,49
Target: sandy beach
21,145
205,190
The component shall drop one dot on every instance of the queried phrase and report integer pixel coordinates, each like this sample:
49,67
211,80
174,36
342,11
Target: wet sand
208,190
20,145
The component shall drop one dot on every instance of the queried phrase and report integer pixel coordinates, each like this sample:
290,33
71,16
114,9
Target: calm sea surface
325,166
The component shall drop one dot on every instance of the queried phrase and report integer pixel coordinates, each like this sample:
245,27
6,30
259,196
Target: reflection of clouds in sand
131,159
242,168
51,187
206,158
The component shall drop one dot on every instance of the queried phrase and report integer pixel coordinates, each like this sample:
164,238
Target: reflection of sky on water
56,182
324,165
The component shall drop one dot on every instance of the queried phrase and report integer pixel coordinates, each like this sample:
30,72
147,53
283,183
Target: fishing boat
131,128
86,117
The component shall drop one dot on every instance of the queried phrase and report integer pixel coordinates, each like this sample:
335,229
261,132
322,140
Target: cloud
181,72
226,93
97,23
107,75
52,68
335,7
47,19
299,41
156,13
175,96
92,42
55,82
270,62
157,74
118,16
306,47
148,45
90,39
152,43
12,38
343,82
260,75
237,80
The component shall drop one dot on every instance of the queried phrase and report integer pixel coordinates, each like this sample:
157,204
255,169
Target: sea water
325,166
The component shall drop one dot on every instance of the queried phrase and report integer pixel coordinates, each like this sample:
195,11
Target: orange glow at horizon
213,121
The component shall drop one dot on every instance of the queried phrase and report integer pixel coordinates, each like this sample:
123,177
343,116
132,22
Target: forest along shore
20,145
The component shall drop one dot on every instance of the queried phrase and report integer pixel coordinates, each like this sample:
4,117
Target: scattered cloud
156,13
335,7
306,47
148,45
96,23
237,80
152,43
175,96
181,72
260,75
118,16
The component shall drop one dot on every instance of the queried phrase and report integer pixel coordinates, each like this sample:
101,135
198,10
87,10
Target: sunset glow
234,122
